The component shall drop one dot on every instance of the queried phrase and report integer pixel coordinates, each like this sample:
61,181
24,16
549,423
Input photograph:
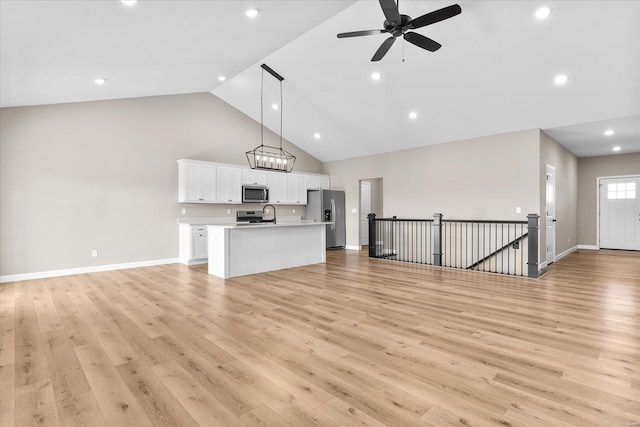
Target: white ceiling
493,74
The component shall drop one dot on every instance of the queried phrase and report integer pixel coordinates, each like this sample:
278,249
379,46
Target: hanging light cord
281,114
262,108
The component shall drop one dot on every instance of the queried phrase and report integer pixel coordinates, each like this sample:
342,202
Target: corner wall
589,170
566,166
480,178
103,175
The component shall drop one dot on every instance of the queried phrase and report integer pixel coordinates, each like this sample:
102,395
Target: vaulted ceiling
493,74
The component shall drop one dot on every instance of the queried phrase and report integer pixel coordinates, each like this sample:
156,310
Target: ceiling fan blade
422,41
390,9
360,33
383,49
435,16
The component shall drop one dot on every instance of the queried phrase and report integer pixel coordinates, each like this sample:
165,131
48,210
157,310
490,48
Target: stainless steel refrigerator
328,205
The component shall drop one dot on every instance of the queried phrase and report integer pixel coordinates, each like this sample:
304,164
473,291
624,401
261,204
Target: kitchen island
241,249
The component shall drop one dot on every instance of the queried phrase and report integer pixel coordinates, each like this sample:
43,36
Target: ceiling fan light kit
266,156
398,25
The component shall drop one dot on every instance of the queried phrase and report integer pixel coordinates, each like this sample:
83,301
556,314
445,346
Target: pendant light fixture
265,156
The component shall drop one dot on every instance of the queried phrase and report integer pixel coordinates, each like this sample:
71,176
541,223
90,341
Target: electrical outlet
228,211
293,211
354,210
518,210
184,211
266,211
94,253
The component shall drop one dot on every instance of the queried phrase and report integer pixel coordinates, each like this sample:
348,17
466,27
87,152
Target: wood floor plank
118,405
202,406
355,341
36,406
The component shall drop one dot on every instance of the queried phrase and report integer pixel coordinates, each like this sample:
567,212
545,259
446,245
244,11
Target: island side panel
219,251
255,250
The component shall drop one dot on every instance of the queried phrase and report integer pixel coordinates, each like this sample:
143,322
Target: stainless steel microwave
255,194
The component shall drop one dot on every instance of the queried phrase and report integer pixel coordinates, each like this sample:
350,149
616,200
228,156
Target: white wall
103,175
480,178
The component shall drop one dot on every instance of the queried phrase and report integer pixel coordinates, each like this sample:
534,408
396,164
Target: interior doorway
550,214
370,202
619,207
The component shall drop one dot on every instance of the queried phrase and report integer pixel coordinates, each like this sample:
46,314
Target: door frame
546,216
598,184
368,184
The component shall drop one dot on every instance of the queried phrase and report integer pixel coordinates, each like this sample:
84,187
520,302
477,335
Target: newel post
372,235
437,239
532,229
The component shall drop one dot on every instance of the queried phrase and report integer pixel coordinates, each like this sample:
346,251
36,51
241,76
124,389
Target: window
621,190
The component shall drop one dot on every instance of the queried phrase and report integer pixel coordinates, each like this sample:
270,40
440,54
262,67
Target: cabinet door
192,176
254,177
199,246
296,189
228,184
323,182
208,183
312,182
277,182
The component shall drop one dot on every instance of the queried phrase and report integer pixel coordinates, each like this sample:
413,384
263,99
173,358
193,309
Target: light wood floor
351,342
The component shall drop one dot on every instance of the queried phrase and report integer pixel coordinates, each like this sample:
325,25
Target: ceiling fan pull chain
403,43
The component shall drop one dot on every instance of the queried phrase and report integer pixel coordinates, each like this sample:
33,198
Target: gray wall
480,178
566,165
103,175
589,170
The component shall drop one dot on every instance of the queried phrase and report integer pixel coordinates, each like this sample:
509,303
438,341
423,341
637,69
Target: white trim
589,247
83,270
567,252
542,265
353,247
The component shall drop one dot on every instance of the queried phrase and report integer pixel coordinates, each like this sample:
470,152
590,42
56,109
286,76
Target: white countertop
270,224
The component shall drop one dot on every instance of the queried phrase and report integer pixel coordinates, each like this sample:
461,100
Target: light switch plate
518,210
354,210
184,211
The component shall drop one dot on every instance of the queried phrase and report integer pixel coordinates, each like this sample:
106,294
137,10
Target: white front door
620,213
365,209
550,214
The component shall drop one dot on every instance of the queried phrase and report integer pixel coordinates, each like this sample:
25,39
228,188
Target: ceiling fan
400,25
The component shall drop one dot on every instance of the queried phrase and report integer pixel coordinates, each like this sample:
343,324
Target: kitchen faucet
274,211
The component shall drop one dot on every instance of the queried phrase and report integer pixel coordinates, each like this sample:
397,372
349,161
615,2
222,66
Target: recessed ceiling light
561,79
275,106
222,78
129,2
617,148
413,115
543,12
609,132
316,135
375,76
100,81
251,13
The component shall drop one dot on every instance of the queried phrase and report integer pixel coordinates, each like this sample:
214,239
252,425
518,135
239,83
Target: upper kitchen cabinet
254,177
228,184
296,189
277,183
197,182
323,182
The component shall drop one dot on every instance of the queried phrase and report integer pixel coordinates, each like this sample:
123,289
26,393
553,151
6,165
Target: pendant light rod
272,72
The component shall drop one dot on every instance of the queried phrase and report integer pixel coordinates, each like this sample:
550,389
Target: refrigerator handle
333,214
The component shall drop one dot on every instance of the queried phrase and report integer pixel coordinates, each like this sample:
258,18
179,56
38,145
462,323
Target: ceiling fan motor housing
397,29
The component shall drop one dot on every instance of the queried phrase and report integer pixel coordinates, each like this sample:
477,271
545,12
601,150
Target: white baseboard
83,270
589,247
353,247
542,265
565,253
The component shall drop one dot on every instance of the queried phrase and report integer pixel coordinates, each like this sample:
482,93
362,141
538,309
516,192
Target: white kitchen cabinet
228,184
254,177
193,244
323,182
277,183
312,182
197,182
296,189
